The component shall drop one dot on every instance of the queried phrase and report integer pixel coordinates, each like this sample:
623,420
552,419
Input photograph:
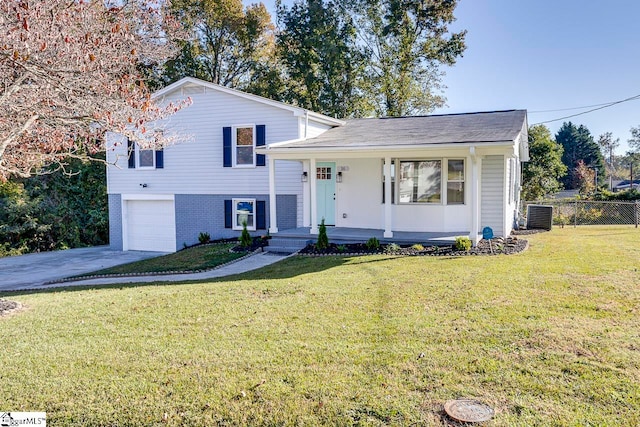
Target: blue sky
548,55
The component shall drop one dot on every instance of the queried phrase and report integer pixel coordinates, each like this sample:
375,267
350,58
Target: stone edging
163,273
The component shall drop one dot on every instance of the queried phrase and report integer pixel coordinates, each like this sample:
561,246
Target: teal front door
326,192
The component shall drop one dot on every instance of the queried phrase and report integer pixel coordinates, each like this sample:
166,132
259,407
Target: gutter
275,149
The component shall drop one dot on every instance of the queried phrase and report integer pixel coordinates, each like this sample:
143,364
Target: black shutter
261,140
261,215
131,151
226,146
160,159
228,214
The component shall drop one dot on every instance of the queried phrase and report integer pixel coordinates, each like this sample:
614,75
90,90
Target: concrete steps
287,245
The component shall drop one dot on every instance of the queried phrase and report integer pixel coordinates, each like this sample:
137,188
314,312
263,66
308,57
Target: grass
191,259
547,337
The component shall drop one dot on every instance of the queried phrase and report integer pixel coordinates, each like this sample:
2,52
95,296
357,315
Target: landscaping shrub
462,243
245,238
418,247
392,248
323,239
373,244
622,196
204,238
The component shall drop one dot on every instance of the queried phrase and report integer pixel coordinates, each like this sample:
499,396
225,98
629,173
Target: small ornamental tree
323,239
245,238
71,71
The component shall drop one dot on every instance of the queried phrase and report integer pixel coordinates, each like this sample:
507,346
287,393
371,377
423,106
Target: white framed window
420,181
145,158
244,210
455,182
243,142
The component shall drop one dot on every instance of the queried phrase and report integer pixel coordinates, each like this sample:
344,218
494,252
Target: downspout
306,123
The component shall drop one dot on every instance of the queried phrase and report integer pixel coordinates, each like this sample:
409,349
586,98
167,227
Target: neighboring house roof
494,127
566,194
625,183
187,82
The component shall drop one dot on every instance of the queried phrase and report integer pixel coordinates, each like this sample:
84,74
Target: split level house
280,168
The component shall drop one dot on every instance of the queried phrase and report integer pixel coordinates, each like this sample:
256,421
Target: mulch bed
496,246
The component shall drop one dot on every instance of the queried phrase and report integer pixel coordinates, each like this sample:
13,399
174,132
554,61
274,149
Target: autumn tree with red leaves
69,73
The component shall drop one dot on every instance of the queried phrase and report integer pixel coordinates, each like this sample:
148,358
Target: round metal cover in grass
468,410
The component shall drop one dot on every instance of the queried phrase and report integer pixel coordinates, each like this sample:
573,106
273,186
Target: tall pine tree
578,144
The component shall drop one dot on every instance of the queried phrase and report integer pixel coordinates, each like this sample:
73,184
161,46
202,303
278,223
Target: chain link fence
586,212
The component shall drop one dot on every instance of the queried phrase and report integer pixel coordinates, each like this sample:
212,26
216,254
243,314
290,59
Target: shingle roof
486,127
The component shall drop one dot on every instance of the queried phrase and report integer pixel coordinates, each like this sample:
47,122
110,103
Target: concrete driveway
27,271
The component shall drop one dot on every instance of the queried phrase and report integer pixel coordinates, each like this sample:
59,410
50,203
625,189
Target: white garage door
151,225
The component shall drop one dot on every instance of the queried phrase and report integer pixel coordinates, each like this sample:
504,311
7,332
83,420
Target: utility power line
599,107
569,108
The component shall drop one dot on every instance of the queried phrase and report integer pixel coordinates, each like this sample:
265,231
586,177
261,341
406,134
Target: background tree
405,43
323,67
608,145
227,44
633,155
54,211
634,141
578,144
585,177
540,176
70,73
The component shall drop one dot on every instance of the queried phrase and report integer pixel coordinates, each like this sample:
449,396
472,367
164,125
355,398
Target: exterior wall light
339,177
304,177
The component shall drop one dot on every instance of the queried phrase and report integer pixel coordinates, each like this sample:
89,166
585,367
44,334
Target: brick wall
115,222
205,213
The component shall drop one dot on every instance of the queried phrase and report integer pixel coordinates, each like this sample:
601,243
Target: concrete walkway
247,264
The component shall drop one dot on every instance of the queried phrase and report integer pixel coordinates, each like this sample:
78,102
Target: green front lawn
191,259
547,337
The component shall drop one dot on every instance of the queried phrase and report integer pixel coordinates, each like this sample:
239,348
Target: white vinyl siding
492,194
195,166
313,129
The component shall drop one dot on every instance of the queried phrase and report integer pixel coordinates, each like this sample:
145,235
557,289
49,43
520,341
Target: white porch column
273,219
314,196
387,199
475,195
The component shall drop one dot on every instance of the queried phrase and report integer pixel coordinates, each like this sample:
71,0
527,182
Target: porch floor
357,235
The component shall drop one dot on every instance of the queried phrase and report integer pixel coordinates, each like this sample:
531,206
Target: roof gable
188,82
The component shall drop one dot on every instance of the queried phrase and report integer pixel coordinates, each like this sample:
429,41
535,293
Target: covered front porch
413,178
349,192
